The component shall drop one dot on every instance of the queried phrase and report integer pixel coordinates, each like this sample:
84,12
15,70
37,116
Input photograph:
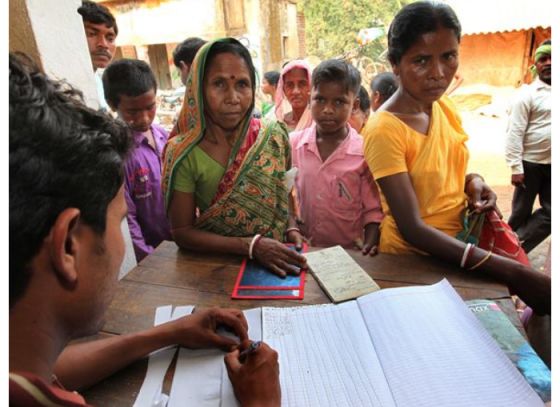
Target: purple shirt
146,217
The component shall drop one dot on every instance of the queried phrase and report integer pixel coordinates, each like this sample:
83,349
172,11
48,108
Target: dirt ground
486,127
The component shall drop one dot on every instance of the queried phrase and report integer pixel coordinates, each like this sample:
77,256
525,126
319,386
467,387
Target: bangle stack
253,244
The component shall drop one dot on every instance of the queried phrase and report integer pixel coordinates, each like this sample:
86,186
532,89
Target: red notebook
256,282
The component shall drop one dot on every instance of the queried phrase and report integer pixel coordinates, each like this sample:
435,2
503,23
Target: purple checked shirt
146,217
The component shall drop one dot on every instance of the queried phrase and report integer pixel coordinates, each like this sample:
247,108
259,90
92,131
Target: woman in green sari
224,174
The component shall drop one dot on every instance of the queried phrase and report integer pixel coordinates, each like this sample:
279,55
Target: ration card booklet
407,346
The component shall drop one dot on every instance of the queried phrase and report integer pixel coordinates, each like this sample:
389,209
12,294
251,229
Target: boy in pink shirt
337,194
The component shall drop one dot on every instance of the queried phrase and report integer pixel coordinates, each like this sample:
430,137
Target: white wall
169,22
61,42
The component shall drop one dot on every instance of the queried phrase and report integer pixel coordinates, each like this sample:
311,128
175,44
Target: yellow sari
436,164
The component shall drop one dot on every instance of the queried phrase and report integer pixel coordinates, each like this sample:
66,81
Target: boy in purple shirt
130,90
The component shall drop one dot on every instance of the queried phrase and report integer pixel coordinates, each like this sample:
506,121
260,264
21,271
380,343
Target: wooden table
174,276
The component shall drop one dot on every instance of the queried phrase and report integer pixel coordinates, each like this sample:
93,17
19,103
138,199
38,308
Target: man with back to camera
528,153
66,247
183,56
101,33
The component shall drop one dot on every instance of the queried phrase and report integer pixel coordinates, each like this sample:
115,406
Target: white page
201,377
434,351
158,363
159,360
326,356
197,379
182,311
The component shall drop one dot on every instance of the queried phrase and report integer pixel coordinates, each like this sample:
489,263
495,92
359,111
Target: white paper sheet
201,376
326,356
434,351
254,320
159,361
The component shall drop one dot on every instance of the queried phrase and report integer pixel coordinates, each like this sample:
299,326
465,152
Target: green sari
252,196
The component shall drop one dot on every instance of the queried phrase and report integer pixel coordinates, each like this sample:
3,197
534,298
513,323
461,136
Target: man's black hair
129,77
272,77
336,70
62,155
416,19
186,51
385,83
97,14
363,96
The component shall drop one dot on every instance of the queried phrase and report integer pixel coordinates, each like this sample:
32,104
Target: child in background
360,116
268,87
382,88
130,89
338,198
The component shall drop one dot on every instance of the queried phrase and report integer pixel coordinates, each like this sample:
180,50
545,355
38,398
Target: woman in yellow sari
224,173
415,148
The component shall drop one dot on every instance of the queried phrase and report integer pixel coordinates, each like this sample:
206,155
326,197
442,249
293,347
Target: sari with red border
252,196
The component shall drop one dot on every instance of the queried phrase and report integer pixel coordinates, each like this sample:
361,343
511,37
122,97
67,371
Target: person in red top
66,247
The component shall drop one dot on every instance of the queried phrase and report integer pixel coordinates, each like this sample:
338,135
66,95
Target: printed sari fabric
252,196
281,105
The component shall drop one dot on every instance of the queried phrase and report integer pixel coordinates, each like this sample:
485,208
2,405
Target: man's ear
65,246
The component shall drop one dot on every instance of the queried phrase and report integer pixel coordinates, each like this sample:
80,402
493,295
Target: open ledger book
409,346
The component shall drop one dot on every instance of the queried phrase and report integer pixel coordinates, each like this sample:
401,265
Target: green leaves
331,26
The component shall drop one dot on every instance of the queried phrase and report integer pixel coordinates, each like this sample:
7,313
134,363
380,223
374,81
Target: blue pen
252,348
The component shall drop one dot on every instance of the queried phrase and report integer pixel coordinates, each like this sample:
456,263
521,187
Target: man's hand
518,180
199,330
277,257
255,381
481,197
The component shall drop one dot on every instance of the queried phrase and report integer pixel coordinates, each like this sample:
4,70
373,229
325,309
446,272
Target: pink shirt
337,197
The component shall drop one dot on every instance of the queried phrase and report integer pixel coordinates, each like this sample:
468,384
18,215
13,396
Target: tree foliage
331,26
